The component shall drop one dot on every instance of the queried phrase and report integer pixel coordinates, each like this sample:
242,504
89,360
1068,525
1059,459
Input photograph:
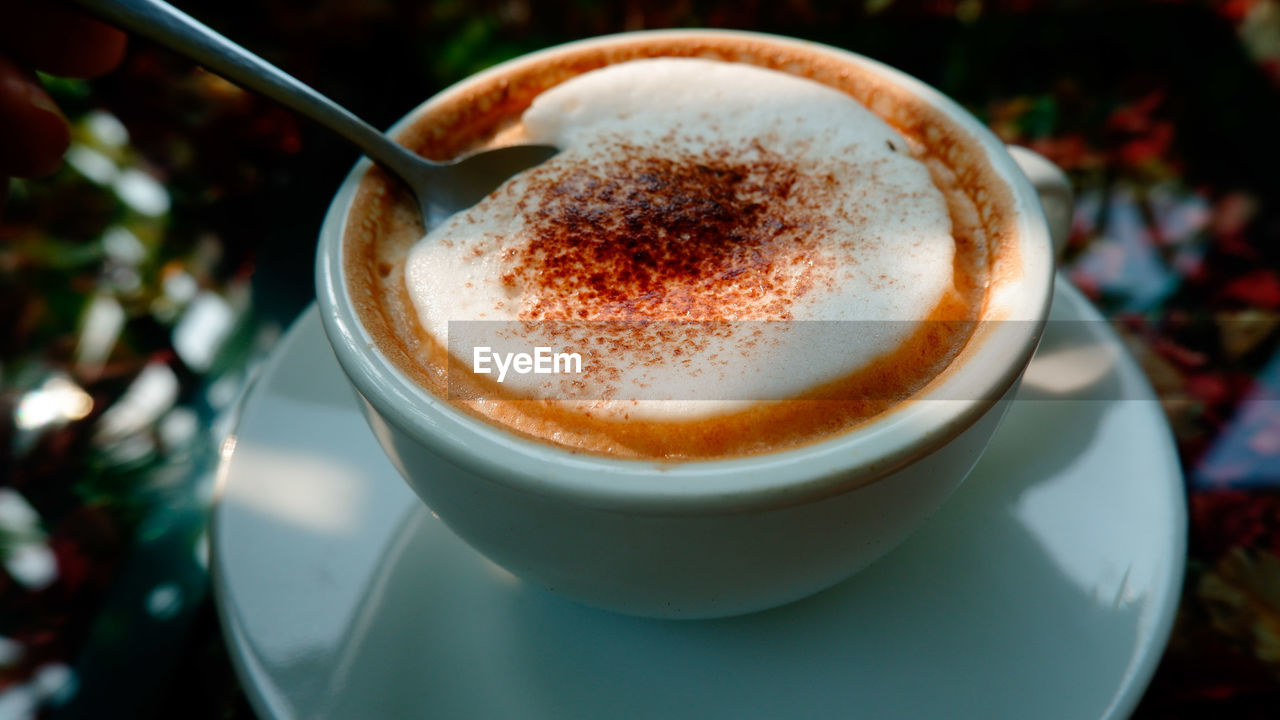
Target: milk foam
847,226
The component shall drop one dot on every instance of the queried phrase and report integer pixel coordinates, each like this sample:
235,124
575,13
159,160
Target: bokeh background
142,284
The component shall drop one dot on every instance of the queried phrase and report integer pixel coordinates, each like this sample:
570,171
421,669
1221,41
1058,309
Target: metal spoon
440,188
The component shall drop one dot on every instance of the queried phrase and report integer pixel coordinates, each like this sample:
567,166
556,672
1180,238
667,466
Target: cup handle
1055,193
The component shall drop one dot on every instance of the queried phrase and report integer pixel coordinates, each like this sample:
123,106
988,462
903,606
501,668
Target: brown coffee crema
383,225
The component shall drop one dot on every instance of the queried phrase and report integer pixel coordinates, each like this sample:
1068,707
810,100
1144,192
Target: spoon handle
169,26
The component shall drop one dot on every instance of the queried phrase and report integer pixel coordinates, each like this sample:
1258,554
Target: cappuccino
755,249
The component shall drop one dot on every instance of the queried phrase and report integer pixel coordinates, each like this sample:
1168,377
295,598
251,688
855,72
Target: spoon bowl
444,189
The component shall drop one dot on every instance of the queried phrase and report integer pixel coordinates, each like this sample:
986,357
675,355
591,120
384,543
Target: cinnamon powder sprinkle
727,234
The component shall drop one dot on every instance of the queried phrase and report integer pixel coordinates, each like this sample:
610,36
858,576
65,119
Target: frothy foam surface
698,190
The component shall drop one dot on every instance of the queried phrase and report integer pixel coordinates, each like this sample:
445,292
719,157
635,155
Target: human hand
47,36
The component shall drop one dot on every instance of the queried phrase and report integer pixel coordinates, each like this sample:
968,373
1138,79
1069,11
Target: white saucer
1045,588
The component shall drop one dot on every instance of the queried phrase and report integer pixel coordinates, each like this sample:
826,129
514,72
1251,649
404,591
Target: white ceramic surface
1045,588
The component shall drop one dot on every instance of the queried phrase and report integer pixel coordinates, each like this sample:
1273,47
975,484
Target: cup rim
824,467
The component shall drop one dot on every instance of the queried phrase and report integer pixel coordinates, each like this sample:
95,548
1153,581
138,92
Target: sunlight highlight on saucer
499,573
311,492
1070,369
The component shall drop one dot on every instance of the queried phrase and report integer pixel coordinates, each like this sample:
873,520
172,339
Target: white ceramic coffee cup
706,538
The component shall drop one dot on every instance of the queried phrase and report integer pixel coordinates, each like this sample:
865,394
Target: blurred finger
55,39
33,132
